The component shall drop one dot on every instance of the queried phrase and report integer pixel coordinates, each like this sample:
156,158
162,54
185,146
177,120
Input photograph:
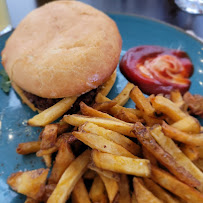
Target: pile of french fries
110,153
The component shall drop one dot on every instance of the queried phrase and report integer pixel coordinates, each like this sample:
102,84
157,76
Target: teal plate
13,114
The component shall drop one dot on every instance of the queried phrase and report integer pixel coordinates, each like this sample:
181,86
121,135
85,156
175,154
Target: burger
62,49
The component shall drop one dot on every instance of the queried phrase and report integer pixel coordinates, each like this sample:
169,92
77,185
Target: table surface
164,10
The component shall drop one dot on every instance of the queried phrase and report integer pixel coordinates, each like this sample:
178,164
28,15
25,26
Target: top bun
62,49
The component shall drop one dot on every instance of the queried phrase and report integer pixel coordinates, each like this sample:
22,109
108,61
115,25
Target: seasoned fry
80,194
164,105
121,164
97,192
29,183
159,192
28,147
111,186
51,114
190,139
107,86
63,159
117,126
190,151
69,178
163,157
142,194
124,188
100,143
112,136
124,95
141,102
175,186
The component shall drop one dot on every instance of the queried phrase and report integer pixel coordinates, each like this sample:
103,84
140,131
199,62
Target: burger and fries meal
64,66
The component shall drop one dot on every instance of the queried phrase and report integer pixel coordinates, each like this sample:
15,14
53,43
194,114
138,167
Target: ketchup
156,69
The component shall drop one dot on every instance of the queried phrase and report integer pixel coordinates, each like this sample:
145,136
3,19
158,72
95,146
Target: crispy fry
120,127
47,159
104,106
29,183
63,159
46,151
149,156
28,147
100,143
142,194
159,192
151,120
175,186
121,164
62,127
141,102
80,194
124,188
124,95
112,136
51,114
162,156
190,151
190,139
107,86
97,192
111,186
164,105
69,178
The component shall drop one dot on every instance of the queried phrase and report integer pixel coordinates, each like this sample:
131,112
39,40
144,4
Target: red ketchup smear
157,69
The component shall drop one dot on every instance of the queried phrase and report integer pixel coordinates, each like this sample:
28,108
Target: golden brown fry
124,95
30,200
28,147
69,178
104,106
117,126
151,120
46,151
190,151
124,188
134,200
48,191
149,156
80,194
62,127
188,124
63,159
159,192
51,114
190,139
112,136
97,192
100,143
47,159
199,164
166,106
29,183
141,102
200,151
121,164
111,186
176,97
175,186
142,194
163,157
89,174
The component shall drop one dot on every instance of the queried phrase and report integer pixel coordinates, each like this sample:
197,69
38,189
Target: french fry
29,183
48,191
134,200
63,159
124,188
111,186
30,200
28,147
149,156
142,193
112,136
107,86
190,151
121,164
80,194
141,102
188,124
46,151
162,156
159,192
200,151
97,192
176,97
100,143
117,126
190,139
62,127
166,106
69,178
151,120
122,98
170,147
104,106
51,114
47,159
175,186
89,174
199,164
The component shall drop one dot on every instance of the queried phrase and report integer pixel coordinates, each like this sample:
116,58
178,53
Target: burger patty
44,103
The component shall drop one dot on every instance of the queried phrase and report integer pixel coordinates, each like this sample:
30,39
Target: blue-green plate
13,114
